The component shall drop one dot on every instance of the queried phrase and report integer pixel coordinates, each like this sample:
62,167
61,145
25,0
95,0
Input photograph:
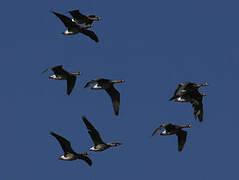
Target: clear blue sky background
153,45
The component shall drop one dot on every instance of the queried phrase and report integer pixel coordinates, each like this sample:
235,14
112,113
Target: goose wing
90,34
182,135
65,144
65,20
180,91
71,80
85,158
115,98
196,101
58,70
58,67
94,134
89,83
198,109
161,127
78,16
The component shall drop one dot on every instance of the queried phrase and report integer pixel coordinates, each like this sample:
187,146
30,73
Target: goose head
202,84
77,73
118,81
113,144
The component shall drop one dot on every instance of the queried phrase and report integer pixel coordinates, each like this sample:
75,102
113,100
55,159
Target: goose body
108,86
171,129
99,144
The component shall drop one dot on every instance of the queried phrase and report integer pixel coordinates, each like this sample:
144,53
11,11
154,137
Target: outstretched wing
58,70
86,159
90,34
89,83
71,80
182,135
180,91
198,109
65,144
94,134
159,128
115,98
65,20
80,18
196,102
59,67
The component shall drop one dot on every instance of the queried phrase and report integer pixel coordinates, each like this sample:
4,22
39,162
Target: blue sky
153,46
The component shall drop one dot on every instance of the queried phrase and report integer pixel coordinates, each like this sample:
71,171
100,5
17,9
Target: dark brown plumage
74,28
61,74
99,144
69,154
171,129
107,85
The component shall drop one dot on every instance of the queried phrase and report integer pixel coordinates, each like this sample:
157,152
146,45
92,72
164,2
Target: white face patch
164,132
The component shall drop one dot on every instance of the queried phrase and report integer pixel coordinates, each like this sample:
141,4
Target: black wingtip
180,150
51,11
52,133
84,118
171,98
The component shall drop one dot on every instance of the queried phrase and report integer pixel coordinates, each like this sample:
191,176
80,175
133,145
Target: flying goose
95,136
69,154
171,129
108,86
81,18
61,74
74,28
183,89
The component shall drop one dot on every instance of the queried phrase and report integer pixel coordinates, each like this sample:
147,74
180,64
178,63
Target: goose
183,89
61,74
69,154
108,86
74,28
83,19
171,129
99,144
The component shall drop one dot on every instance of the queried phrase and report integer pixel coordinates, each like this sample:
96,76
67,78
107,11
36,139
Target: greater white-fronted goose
61,74
83,19
100,145
108,86
69,154
171,129
183,89
74,28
